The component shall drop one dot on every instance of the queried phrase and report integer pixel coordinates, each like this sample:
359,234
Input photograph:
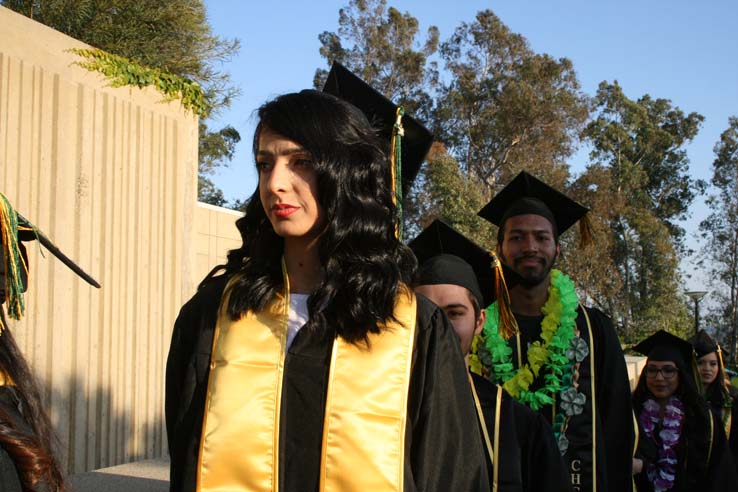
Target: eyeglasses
667,372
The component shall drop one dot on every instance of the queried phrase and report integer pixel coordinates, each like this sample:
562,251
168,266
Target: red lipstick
283,210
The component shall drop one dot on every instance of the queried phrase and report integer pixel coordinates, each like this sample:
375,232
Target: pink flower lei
663,473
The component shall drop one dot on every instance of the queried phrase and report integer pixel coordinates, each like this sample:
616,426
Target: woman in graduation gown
308,364
681,447
722,396
27,457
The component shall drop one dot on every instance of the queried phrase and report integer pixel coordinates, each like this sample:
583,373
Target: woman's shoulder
207,298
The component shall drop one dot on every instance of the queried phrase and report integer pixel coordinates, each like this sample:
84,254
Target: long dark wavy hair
365,266
32,449
696,424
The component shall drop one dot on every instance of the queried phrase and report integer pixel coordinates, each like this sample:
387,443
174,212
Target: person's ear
480,321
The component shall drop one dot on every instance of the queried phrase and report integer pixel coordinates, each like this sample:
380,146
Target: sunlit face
529,247
708,367
662,378
288,187
456,303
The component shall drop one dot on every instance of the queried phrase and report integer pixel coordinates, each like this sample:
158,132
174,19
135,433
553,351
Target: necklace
662,473
558,353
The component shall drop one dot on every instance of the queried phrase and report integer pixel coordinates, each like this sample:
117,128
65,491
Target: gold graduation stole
366,404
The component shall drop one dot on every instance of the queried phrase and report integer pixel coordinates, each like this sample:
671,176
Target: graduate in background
565,361
460,277
719,393
28,460
306,363
681,447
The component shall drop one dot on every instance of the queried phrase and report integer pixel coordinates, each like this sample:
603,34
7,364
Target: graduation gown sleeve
733,437
614,406
9,481
188,366
721,474
443,447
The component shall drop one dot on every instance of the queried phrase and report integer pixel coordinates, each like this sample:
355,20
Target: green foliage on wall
123,72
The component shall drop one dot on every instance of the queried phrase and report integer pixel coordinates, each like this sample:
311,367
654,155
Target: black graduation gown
614,433
721,473
717,411
733,437
529,459
9,405
443,449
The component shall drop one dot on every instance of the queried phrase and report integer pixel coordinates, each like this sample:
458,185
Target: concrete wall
635,364
216,234
110,175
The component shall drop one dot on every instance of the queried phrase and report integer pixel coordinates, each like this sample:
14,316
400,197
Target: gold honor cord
637,435
396,167
727,416
491,450
593,398
239,448
366,408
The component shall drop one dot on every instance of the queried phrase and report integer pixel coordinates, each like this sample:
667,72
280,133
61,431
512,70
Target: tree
720,231
449,195
506,107
381,46
172,35
640,144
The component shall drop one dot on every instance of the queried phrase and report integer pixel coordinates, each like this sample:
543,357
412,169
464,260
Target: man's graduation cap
663,346
14,231
528,195
448,257
410,140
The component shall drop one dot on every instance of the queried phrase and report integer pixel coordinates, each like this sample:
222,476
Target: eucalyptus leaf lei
557,354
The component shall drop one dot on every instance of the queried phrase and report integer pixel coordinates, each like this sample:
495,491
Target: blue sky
682,50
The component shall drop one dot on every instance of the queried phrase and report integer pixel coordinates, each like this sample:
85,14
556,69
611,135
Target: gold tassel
508,326
586,235
722,365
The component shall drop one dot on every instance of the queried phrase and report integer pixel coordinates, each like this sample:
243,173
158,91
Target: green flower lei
560,353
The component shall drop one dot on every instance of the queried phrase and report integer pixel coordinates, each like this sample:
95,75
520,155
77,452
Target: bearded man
565,360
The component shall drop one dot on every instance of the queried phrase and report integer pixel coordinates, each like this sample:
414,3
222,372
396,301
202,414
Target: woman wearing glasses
681,447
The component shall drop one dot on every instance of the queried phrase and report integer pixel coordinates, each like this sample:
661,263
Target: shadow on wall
103,428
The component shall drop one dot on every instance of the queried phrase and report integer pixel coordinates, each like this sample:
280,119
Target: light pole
696,296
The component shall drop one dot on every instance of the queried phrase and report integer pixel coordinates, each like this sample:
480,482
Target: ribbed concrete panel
110,175
216,234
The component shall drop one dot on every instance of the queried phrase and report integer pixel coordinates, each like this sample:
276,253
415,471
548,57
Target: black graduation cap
703,344
14,257
663,346
528,195
448,257
382,114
